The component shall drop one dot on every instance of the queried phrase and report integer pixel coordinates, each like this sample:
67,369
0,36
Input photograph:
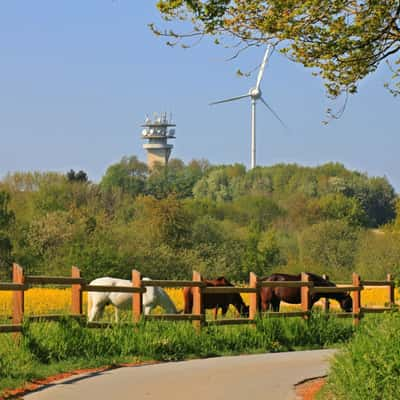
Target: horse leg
96,312
188,300
215,312
116,314
275,302
266,298
224,309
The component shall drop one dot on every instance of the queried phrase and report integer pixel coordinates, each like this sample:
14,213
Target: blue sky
78,77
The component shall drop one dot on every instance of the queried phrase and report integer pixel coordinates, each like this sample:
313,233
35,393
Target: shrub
368,367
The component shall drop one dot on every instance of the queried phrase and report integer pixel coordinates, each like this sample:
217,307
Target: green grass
51,347
368,367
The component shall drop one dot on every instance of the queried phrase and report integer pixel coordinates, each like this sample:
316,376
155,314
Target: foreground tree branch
342,40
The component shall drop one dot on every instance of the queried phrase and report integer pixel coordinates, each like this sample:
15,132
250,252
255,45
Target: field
39,301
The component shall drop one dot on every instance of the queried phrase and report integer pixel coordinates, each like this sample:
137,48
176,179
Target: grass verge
368,367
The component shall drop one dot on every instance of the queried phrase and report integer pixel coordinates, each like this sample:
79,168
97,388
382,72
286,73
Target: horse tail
188,300
166,302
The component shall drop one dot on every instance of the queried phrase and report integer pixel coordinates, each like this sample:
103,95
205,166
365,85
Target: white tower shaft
253,133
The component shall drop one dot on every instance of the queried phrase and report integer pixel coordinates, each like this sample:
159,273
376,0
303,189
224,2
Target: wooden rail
333,289
289,284
52,280
53,317
10,328
114,289
12,286
377,283
175,317
21,283
286,314
170,283
236,321
228,289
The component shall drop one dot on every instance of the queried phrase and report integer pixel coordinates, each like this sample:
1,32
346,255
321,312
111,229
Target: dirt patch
31,386
308,390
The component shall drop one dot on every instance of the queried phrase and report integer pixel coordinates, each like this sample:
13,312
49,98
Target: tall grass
368,367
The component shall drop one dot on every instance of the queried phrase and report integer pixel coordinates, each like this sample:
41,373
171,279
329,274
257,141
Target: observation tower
157,132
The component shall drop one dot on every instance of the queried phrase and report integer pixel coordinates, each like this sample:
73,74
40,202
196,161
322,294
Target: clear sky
78,77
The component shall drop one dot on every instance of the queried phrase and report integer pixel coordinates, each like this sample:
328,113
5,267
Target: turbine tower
255,94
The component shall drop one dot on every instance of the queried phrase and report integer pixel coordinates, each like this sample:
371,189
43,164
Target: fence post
76,292
356,300
389,278
327,303
305,295
198,305
136,297
253,297
18,295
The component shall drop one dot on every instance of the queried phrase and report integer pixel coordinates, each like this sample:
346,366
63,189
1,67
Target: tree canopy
217,219
342,40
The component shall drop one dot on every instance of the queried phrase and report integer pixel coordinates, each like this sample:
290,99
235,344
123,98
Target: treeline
220,220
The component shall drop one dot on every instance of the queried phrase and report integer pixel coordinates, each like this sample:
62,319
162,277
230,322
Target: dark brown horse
216,300
272,296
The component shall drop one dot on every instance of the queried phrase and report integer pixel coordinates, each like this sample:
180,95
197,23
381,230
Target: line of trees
218,219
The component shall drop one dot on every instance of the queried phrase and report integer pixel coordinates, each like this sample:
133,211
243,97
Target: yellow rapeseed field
39,301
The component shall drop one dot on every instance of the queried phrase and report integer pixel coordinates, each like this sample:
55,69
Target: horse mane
217,281
277,276
319,280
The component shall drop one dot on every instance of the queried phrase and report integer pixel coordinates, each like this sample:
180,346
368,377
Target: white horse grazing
153,297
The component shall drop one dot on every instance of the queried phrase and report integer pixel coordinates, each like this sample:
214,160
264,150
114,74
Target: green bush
369,366
17,363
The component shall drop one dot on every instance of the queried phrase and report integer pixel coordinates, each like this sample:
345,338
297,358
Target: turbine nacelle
255,93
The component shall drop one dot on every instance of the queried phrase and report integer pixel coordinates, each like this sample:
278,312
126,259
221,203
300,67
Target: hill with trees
218,219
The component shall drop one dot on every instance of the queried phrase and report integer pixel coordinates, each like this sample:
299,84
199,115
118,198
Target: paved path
264,376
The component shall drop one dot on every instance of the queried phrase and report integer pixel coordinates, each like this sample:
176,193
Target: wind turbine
255,94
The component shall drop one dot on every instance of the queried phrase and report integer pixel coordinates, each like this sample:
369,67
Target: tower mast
157,132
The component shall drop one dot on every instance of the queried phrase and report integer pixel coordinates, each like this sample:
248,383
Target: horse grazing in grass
272,296
153,297
216,300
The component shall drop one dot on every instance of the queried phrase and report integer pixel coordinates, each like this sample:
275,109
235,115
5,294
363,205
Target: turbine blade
230,99
274,113
264,62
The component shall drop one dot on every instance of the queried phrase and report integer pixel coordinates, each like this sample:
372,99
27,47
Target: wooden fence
22,282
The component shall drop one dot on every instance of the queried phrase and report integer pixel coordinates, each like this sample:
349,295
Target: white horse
153,297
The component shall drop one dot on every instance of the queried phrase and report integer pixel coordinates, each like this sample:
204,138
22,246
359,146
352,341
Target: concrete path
264,376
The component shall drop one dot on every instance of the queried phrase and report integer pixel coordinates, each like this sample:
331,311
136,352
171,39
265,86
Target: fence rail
78,285
119,289
52,280
289,284
228,289
9,328
332,289
12,286
171,283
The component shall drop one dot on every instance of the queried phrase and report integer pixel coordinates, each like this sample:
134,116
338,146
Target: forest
217,219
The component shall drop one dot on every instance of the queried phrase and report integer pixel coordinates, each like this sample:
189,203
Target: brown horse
272,296
216,300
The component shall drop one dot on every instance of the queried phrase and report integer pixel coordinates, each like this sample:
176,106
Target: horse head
244,310
240,305
221,281
346,303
